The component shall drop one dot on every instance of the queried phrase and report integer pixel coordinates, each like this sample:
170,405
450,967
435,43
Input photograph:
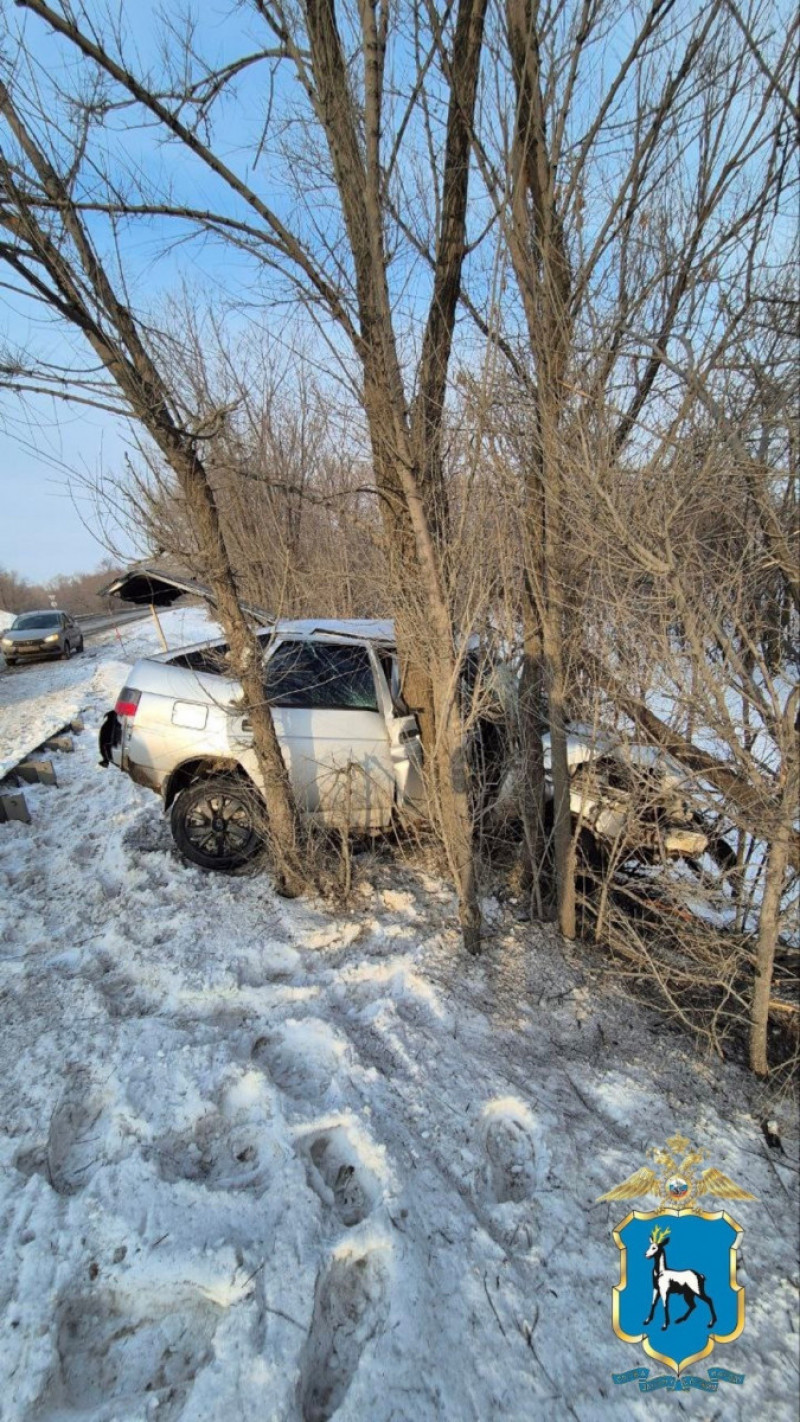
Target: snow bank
268,1159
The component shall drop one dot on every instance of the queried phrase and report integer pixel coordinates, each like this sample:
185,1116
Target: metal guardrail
100,621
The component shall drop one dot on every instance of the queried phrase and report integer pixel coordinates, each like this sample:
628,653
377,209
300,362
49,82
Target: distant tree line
72,592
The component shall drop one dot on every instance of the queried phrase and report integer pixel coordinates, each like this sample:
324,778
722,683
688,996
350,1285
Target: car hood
28,634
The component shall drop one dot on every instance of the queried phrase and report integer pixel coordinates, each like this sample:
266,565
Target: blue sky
48,524
48,449
48,452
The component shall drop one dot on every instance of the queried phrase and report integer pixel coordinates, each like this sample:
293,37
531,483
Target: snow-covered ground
275,1160
38,699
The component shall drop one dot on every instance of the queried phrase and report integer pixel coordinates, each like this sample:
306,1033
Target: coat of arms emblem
678,1293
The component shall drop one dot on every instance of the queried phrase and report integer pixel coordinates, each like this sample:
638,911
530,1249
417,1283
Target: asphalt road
91,627
105,622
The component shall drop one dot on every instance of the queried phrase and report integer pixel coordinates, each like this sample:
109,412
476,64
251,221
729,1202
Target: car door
332,730
405,743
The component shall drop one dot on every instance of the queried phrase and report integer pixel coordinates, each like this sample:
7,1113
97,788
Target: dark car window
212,660
36,619
319,675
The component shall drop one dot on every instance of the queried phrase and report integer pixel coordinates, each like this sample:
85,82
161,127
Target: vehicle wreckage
351,745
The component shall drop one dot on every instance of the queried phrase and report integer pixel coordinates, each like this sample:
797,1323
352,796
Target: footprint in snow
214,1152
350,1308
301,1058
128,1348
337,1172
508,1139
82,1136
124,996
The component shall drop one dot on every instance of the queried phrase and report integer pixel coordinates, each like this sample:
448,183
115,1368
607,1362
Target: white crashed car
629,797
351,748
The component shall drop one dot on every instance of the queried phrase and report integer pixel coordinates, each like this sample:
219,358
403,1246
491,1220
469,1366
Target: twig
492,1307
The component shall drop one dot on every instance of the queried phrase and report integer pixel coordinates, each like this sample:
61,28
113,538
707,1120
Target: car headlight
6,641
52,638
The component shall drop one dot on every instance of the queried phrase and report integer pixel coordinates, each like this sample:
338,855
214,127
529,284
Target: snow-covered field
269,1160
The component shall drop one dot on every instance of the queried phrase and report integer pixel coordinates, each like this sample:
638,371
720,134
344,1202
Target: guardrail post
13,807
35,772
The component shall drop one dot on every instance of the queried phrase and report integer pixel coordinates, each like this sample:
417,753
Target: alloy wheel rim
219,825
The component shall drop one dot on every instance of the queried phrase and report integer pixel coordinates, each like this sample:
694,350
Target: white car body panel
348,766
609,813
339,763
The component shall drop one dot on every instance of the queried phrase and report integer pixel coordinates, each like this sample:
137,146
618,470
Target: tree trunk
532,718
553,633
112,332
246,657
455,810
768,923
541,266
354,143
563,851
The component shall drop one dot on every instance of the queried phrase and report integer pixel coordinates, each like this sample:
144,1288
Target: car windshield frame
31,621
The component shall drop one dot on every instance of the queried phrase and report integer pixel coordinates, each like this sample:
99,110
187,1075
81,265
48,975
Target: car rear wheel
215,823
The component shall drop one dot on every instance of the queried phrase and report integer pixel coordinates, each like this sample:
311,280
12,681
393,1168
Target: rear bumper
112,752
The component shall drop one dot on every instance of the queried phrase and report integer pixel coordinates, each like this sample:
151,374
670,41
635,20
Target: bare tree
628,191
698,586
54,256
339,61
635,180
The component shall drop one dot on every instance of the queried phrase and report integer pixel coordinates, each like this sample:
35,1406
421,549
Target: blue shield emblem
677,1293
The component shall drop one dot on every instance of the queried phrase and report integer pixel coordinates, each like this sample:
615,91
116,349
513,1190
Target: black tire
67,653
80,645
214,823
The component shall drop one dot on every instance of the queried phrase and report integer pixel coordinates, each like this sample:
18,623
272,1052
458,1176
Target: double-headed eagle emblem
674,1183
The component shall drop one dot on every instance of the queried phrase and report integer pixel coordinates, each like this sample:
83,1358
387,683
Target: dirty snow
274,1160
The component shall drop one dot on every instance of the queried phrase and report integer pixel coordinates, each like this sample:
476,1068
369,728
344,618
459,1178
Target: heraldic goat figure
674,1281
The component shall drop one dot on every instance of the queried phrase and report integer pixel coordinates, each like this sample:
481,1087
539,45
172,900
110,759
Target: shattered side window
213,661
321,676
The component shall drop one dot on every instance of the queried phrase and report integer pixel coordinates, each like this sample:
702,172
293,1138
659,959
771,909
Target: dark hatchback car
41,634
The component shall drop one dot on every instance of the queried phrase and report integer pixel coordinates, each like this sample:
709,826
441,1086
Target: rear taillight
127,702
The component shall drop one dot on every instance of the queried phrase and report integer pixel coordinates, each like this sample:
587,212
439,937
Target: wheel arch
201,768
